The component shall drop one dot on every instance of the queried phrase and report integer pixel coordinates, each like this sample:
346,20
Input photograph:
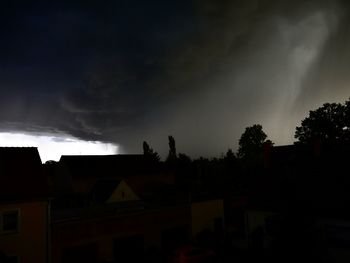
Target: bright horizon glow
51,147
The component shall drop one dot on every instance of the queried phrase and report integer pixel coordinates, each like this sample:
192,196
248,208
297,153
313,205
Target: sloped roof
103,189
286,153
21,174
119,165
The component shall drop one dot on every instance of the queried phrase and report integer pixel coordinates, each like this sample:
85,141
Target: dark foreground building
121,208
299,208
24,209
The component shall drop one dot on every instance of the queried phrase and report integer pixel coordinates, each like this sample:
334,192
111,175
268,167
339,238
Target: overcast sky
126,71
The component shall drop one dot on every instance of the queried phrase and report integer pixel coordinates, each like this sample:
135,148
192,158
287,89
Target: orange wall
30,244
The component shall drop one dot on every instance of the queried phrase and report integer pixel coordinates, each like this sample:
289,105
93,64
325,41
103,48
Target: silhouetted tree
230,156
347,115
230,161
184,169
184,158
329,123
269,142
251,141
172,149
230,167
149,152
50,162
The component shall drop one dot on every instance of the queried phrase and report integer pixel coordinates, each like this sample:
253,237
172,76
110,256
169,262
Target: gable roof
21,174
107,190
103,189
101,166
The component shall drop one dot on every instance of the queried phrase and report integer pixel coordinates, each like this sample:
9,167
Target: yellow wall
30,244
118,196
204,214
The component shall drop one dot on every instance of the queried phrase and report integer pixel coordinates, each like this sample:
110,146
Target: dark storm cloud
128,71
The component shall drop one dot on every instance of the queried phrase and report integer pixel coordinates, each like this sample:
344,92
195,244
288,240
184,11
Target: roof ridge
19,147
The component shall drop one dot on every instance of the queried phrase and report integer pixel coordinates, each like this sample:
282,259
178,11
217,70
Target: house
24,206
80,173
117,226
207,214
300,205
112,191
104,216
121,207
115,232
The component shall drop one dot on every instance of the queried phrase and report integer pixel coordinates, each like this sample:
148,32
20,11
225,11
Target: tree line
330,123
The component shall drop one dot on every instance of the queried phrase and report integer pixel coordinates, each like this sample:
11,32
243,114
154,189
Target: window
9,222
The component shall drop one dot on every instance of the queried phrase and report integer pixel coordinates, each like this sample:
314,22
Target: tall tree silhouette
172,149
329,123
251,141
149,152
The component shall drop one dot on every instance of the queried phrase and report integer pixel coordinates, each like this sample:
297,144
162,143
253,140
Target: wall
255,221
204,214
102,231
30,244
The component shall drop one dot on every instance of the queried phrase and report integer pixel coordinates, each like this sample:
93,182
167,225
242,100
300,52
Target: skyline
120,73
51,148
